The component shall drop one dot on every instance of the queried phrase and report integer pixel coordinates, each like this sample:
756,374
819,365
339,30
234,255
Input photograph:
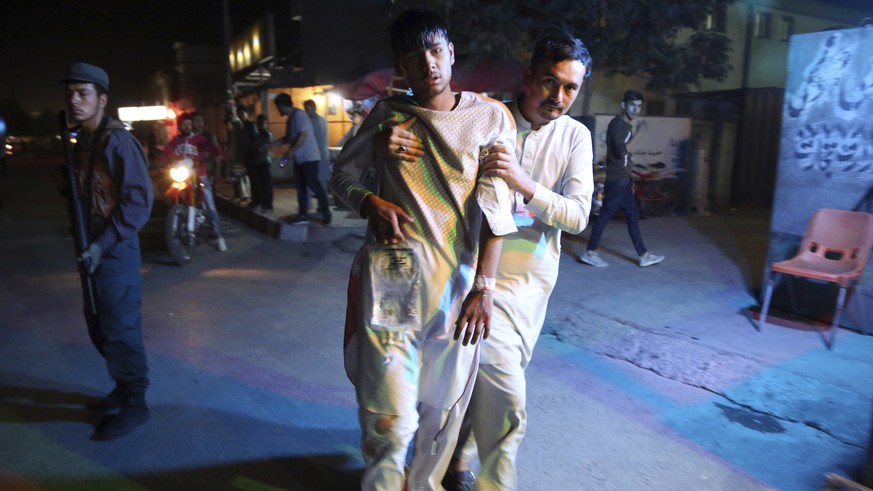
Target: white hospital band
483,284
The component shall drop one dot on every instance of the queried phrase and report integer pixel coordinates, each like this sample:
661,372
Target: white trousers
400,371
494,425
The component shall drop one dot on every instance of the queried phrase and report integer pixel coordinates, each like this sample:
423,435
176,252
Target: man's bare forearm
490,247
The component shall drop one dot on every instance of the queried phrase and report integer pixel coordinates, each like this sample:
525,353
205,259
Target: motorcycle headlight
180,174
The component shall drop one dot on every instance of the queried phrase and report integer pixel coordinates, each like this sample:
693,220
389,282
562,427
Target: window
717,19
762,24
786,27
655,108
684,108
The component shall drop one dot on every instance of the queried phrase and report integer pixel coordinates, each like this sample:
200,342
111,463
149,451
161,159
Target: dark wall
757,147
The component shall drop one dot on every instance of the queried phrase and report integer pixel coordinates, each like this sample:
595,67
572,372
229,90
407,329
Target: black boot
110,404
132,414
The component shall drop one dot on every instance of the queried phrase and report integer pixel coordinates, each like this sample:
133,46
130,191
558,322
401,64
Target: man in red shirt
198,148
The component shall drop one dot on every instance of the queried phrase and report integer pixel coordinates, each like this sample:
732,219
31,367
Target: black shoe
459,481
327,218
111,404
300,220
128,419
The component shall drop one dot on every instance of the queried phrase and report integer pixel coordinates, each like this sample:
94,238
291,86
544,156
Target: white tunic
443,192
559,158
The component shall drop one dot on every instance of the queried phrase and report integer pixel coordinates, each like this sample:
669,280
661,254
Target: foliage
19,122
662,41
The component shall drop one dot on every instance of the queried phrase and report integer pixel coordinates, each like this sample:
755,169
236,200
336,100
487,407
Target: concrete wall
762,61
826,156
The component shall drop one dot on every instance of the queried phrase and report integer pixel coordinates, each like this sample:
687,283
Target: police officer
116,194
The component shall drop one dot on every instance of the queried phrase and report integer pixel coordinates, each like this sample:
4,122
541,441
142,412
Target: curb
278,227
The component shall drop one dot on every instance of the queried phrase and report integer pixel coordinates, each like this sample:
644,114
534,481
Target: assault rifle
77,219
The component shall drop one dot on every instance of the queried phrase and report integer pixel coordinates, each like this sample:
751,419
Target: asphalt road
644,379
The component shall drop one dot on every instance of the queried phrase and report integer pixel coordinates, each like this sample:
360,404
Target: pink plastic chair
835,248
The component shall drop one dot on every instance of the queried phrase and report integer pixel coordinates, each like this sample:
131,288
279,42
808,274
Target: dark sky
131,39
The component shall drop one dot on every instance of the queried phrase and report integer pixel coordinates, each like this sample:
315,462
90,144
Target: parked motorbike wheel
180,243
663,198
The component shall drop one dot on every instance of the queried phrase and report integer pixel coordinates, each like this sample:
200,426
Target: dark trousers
255,189
262,180
117,333
306,178
618,194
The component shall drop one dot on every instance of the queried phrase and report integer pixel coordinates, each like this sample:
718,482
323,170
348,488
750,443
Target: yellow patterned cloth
444,193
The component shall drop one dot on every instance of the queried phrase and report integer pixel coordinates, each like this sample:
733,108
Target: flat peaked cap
85,72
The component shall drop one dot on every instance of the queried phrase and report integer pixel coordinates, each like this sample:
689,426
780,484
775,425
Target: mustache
553,105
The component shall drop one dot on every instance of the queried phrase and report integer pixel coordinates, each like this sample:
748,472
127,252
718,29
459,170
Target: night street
646,379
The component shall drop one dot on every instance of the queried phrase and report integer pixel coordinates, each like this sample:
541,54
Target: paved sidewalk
780,406
277,223
675,347
643,378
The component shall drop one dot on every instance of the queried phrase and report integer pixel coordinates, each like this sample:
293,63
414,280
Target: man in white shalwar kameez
552,180
415,377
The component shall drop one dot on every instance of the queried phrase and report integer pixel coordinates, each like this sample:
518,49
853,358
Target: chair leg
859,291
841,298
767,294
792,295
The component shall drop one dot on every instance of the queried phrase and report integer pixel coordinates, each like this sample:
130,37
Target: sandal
459,481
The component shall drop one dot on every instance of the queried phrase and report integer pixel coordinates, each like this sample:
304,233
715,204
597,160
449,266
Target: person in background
413,374
356,117
247,133
241,132
618,191
116,194
304,153
190,145
212,161
319,127
262,178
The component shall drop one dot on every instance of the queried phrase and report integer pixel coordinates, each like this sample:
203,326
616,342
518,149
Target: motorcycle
657,189
599,183
188,223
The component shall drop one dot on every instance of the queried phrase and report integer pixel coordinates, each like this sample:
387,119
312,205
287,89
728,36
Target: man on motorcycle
199,149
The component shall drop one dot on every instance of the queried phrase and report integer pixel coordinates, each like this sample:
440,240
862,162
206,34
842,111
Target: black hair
632,95
283,99
100,90
309,102
415,29
261,117
560,47
243,107
182,117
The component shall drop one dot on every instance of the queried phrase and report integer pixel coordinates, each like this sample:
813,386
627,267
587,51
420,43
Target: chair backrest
840,235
